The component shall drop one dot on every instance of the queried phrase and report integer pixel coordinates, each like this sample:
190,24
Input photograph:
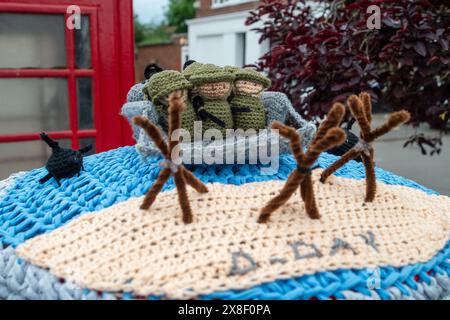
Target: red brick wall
167,56
206,10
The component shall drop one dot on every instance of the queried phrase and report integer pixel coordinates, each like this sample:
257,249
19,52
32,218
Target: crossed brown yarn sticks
361,109
170,165
328,136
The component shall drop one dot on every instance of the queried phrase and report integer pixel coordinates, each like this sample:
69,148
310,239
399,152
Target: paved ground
432,172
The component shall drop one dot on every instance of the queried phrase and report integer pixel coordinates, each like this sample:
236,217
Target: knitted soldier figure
189,68
246,104
159,87
213,86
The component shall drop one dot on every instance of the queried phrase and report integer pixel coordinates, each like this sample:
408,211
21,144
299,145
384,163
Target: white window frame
227,3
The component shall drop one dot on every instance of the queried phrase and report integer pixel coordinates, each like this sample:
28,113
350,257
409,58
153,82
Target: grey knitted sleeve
145,146
132,109
280,108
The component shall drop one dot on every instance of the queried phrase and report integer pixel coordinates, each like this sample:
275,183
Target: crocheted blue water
323,285
22,280
31,208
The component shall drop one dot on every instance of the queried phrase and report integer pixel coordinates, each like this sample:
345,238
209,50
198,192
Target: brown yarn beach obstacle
328,136
361,109
170,165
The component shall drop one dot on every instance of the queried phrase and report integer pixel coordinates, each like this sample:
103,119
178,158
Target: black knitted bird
63,163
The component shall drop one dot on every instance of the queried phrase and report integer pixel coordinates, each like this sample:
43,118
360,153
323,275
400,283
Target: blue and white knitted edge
437,289
30,209
22,280
8,182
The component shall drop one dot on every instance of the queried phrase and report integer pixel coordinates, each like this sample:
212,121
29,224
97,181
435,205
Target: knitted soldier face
213,85
212,81
250,82
246,87
246,105
215,89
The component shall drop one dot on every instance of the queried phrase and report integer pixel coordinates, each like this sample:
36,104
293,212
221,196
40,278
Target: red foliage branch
319,57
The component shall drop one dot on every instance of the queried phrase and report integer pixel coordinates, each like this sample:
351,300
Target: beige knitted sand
153,252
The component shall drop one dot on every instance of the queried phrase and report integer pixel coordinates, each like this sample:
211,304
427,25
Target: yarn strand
151,194
288,190
361,109
180,173
328,136
193,181
346,157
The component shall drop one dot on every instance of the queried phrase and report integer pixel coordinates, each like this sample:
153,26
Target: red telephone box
67,81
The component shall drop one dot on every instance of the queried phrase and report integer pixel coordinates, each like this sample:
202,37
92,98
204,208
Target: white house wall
217,39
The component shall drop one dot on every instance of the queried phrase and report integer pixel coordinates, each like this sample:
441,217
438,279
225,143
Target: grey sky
148,10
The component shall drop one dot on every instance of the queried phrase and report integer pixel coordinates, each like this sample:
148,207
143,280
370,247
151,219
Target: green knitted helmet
191,69
146,92
165,82
232,69
253,76
209,73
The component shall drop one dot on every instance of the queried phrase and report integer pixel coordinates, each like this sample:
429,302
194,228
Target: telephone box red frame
112,70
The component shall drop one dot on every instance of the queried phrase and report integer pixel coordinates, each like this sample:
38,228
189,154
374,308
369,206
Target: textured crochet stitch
135,105
213,86
278,106
191,69
248,110
29,209
160,86
228,249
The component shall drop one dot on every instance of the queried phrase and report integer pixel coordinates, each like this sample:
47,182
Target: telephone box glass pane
32,41
85,109
83,45
33,105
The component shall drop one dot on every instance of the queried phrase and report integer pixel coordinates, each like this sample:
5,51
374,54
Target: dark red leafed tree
322,54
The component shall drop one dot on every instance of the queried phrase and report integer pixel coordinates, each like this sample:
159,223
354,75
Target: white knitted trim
8,182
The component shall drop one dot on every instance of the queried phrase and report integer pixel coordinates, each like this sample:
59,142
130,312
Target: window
240,49
226,3
38,38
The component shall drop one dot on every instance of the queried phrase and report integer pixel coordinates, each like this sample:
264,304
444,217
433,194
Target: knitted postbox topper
328,136
63,163
170,166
